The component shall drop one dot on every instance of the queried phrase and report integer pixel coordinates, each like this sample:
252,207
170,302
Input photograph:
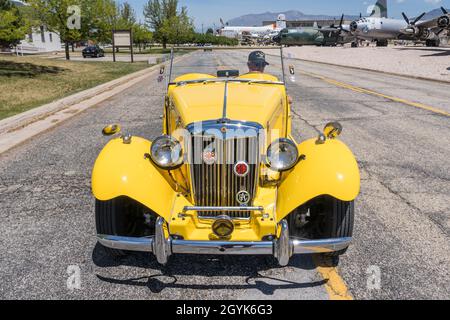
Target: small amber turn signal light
332,130
111,130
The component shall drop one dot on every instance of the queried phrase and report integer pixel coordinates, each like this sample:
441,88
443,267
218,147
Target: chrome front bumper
283,248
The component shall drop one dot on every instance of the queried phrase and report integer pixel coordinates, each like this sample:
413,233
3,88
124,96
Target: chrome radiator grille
214,181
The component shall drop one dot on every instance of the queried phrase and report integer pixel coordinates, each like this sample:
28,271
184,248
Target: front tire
123,217
323,218
339,223
107,221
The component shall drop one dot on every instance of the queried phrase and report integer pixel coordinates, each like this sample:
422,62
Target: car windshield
215,64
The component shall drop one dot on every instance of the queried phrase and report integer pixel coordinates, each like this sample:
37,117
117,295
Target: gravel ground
429,63
402,225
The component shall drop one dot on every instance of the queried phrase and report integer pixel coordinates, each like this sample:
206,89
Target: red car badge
241,169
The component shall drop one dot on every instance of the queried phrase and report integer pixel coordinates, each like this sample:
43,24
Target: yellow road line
362,90
335,285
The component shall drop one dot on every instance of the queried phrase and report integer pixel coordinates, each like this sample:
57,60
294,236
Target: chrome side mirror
332,130
111,129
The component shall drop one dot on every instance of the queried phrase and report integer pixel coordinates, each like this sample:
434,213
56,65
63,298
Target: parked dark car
93,52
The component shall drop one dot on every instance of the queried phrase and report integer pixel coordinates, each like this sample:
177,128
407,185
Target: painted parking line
335,285
377,94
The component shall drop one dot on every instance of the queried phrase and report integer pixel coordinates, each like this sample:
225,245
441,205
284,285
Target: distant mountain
257,19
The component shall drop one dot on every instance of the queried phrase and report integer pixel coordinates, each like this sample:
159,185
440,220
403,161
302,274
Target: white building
40,40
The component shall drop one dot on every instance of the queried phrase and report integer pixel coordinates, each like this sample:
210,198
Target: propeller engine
443,22
411,28
277,38
425,35
341,23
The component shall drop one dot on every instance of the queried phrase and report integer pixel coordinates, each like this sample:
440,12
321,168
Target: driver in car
257,62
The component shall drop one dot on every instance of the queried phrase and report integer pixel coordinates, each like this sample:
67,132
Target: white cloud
433,1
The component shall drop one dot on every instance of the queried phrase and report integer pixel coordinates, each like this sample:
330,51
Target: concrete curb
18,129
22,119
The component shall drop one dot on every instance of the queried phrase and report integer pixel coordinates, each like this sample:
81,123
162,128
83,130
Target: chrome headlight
282,155
166,152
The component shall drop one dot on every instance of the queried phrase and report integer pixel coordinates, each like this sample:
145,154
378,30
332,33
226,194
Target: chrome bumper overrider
283,248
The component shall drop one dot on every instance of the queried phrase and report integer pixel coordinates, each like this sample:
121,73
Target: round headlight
166,152
282,155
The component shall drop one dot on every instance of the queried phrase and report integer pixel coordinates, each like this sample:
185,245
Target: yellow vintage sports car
226,176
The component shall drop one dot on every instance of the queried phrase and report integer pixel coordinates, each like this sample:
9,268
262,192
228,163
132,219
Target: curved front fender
328,169
122,170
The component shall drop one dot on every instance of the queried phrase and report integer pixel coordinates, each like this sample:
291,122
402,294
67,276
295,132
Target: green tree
200,38
142,36
97,17
169,24
103,16
13,27
126,17
54,14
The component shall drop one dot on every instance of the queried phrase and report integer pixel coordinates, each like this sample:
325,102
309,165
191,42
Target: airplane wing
328,29
432,23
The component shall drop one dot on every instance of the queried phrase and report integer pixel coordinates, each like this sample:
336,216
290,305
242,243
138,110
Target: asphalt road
402,222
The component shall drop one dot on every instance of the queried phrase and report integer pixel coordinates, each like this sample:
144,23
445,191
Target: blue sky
208,12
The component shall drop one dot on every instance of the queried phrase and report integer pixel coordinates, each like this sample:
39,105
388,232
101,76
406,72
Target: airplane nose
353,26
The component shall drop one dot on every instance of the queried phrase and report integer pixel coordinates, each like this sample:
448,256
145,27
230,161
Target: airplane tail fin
281,22
379,10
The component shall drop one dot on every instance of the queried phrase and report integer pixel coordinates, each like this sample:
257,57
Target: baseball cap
258,57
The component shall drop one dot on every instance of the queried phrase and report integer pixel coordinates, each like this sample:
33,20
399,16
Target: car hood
243,102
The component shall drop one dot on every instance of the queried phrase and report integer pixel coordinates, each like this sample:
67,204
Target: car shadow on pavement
249,268
436,52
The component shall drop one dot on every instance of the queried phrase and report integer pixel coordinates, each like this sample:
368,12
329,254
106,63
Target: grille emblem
241,169
209,157
243,197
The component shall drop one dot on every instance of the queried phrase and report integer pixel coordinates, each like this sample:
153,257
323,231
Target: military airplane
318,36
254,32
381,29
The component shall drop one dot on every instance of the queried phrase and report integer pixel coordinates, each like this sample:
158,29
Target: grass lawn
29,82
